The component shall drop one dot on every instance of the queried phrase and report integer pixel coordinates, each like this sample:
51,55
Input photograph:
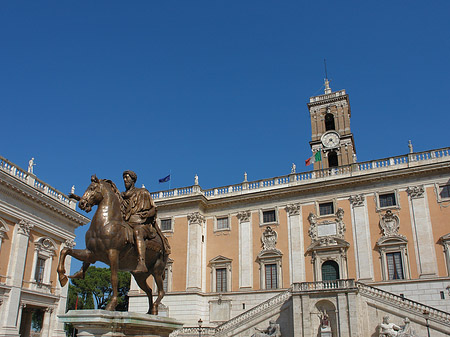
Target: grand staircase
241,325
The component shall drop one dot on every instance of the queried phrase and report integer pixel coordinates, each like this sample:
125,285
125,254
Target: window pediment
327,243
45,246
219,259
267,254
392,241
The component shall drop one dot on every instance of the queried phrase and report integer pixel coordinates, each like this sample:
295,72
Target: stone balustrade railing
326,96
194,332
31,180
323,285
404,303
293,179
282,297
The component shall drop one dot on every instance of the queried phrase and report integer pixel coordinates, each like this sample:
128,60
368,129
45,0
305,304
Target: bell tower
330,129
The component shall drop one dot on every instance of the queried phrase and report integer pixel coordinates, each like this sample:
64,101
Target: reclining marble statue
388,329
124,235
272,331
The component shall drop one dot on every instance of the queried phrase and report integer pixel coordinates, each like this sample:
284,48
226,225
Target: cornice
328,100
26,193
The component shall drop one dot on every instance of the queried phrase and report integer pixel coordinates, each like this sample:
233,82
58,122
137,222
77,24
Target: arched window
329,122
330,271
332,159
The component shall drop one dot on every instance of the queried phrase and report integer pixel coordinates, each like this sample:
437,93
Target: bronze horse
109,239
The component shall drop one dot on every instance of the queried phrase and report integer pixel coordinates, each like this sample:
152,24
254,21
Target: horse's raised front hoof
78,275
63,280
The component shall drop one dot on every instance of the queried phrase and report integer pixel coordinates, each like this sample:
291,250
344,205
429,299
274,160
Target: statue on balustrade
272,331
123,234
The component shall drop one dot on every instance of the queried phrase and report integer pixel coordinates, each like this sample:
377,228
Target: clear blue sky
215,88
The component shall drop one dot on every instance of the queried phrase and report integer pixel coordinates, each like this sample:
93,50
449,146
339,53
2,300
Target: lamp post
200,322
426,314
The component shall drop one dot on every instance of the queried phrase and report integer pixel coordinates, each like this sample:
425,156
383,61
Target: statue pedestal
99,323
326,332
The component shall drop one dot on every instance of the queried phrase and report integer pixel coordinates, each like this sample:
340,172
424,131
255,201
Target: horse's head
92,196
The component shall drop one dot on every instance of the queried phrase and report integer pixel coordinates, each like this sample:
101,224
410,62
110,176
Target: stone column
361,233
46,322
10,323
194,253
245,250
25,322
423,232
296,244
56,325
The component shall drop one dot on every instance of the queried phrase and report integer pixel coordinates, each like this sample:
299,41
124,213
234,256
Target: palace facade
36,222
355,240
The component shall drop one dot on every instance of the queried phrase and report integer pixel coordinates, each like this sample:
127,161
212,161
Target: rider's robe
138,209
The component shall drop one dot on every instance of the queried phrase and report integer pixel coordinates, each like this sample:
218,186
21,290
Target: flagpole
170,178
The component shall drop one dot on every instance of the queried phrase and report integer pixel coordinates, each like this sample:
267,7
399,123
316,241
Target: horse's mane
114,188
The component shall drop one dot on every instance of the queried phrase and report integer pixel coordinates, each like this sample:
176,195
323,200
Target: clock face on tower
330,139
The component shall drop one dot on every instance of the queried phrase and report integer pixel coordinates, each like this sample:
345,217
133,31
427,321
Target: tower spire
327,83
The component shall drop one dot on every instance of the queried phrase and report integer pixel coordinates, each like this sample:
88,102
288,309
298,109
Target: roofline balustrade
293,179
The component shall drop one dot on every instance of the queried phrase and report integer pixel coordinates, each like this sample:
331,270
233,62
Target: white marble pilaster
361,233
56,325
422,231
11,320
245,250
343,318
296,244
194,254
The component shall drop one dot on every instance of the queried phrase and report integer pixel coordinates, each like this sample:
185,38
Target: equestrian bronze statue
124,235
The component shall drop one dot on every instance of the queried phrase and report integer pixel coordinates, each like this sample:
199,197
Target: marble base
326,332
99,323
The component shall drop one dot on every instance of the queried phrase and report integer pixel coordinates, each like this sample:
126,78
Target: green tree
94,291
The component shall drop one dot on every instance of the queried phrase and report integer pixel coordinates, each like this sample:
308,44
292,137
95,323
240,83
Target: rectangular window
444,192
222,223
271,276
39,273
269,216
221,280
326,208
394,265
387,200
166,224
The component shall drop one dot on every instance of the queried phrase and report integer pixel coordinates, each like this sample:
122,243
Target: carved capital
415,192
196,218
49,310
69,243
357,200
244,216
293,209
24,227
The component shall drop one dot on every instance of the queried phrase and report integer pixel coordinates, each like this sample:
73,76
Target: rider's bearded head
133,177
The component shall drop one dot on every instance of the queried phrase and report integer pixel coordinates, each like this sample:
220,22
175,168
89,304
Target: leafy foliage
94,291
